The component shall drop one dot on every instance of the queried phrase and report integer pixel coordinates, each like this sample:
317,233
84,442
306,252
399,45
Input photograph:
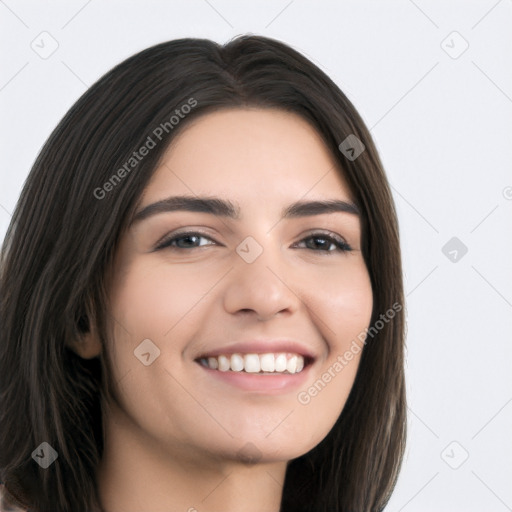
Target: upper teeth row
254,363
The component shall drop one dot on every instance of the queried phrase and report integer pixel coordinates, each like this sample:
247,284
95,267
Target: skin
174,441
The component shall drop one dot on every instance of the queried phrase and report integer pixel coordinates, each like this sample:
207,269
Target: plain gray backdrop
433,82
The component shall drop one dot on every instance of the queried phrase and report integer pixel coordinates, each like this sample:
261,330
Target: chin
252,450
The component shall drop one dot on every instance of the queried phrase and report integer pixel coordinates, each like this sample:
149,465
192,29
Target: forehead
249,155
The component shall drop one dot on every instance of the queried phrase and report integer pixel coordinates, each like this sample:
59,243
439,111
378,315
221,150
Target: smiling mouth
284,363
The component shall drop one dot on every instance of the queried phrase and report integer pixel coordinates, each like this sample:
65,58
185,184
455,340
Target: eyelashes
329,240
338,242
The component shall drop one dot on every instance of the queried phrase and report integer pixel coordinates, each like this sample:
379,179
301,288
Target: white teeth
224,363
267,362
237,363
291,365
256,363
252,363
280,363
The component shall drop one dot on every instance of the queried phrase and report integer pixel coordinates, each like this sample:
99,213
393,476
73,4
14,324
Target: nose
262,288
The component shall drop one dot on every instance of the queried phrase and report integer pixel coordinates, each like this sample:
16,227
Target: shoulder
8,503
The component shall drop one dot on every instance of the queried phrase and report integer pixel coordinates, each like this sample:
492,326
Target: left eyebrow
309,208
223,208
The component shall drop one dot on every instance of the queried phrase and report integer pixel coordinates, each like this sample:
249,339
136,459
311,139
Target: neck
137,473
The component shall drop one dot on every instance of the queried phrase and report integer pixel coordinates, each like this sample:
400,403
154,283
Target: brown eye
321,242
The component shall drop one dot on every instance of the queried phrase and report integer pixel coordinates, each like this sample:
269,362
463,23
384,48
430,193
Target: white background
443,129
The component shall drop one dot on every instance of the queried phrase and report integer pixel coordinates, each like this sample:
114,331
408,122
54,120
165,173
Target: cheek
341,301
150,301
161,303
342,305
156,302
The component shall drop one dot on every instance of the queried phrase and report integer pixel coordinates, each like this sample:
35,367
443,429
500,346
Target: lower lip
279,383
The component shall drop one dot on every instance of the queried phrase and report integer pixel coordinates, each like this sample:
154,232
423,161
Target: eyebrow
224,208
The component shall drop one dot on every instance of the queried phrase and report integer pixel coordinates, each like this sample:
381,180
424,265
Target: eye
190,239
324,242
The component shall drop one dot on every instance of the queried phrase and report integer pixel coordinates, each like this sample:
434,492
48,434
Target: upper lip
263,346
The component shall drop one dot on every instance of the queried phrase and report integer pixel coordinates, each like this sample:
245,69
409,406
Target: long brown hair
58,252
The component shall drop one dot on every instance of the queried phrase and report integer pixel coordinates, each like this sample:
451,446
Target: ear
88,345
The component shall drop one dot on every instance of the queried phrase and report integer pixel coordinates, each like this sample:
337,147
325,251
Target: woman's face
252,283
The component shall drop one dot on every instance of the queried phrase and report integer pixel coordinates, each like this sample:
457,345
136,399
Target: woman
201,295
